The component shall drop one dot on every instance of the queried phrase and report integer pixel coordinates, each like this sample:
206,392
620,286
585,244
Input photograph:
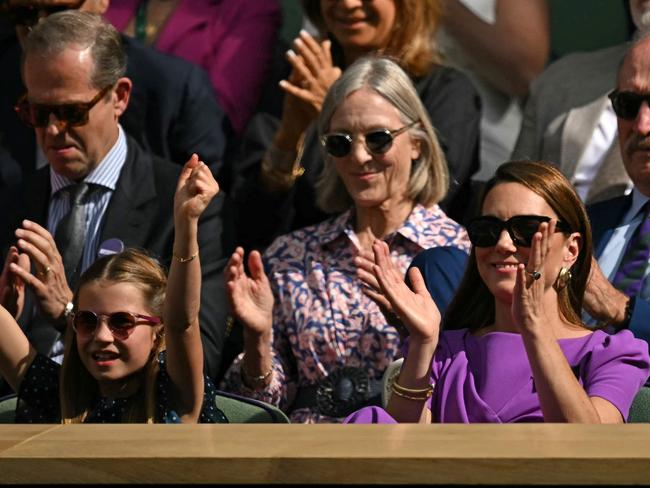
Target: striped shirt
102,181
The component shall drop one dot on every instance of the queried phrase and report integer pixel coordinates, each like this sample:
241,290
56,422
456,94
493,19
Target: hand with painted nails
47,278
313,72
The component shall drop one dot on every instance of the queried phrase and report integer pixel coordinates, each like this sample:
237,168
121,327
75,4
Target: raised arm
16,353
511,52
196,188
421,317
561,397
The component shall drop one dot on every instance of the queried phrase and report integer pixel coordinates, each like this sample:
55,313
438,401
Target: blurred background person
502,45
232,40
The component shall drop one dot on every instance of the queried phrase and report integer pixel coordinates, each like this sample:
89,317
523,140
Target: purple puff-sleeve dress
488,378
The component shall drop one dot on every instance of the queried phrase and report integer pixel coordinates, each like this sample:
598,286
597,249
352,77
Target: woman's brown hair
412,39
79,389
473,305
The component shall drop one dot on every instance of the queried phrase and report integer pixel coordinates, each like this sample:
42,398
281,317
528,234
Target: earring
563,278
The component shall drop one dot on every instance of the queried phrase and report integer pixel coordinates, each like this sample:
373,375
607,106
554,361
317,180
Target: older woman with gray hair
315,341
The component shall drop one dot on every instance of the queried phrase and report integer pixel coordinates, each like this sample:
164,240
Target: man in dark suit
101,191
173,110
618,293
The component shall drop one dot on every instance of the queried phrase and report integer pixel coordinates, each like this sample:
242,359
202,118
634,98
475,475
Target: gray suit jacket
562,111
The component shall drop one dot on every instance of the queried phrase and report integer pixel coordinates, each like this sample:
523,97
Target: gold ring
45,272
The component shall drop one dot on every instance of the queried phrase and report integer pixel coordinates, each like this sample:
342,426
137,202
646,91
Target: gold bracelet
185,260
254,379
277,179
409,397
410,393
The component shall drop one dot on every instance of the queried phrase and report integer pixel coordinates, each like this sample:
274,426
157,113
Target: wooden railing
370,454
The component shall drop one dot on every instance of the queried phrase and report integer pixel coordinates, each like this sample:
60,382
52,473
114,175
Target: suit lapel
612,179
132,208
604,217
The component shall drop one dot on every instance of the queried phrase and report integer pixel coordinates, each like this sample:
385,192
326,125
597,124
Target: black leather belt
342,392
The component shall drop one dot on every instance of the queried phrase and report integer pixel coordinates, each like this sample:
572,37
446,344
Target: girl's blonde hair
79,389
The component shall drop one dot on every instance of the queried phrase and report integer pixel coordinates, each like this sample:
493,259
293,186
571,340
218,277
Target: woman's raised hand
250,297
527,301
313,72
416,308
195,189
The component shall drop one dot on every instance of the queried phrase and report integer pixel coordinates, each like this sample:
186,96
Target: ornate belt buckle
343,391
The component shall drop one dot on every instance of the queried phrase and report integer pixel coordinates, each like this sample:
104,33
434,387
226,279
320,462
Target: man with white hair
569,121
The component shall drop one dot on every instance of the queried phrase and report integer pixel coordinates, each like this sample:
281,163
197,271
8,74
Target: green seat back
242,410
7,409
640,409
238,410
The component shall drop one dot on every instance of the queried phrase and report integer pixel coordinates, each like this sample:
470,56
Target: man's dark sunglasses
339,144
28,15
68,114
485,231
121,324
627,104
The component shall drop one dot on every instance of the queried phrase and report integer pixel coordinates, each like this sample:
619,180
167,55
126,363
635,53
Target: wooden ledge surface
274,453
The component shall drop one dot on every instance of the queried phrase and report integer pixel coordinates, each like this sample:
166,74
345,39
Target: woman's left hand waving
530,284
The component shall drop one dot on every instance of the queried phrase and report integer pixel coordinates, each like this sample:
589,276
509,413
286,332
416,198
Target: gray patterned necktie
70,236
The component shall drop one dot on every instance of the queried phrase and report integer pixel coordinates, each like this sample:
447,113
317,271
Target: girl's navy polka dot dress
38,399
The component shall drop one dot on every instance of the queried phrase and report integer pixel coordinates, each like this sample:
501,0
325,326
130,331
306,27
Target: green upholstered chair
640,409
238,410
7,409
242,410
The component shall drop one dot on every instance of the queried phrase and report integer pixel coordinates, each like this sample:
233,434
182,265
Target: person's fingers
29,279
418,284
40,259
368,278
256,267
310,51
187,170
299,65
300,93
380,299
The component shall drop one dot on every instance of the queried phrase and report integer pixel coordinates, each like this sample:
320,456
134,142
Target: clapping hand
313,72
416,308
365,262
12,287
250,296
48,281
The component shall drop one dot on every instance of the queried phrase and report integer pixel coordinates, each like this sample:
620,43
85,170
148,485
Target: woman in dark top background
280,159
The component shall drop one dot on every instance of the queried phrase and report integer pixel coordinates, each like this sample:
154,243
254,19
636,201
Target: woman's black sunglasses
485,231
339,144
626,104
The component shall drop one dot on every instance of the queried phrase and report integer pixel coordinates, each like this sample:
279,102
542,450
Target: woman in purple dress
521,352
